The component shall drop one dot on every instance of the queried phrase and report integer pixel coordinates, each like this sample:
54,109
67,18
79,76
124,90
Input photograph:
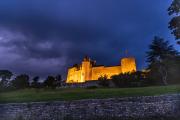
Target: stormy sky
44,37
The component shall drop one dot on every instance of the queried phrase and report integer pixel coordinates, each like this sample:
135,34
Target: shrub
135,79
103,81
91,87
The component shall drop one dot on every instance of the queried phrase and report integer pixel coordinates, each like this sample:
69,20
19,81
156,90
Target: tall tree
174,24
158,52
159,49
21,81
5,75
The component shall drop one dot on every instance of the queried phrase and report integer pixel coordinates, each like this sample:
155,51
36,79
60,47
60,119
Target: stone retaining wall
152,107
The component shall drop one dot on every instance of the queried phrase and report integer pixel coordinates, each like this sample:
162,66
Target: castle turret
128,65
86,69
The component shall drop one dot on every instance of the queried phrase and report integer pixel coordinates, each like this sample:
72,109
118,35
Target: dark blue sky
43,37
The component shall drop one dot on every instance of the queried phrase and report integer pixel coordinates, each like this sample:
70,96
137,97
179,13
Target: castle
88,70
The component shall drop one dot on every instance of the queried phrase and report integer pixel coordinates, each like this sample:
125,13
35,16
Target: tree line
23,81
163,68
163,60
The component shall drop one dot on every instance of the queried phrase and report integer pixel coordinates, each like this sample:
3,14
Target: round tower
128,65
86,69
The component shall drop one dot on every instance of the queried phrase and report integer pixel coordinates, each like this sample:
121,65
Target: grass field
32,95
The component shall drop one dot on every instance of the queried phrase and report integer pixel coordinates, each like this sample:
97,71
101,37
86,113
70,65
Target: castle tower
86,69
128,65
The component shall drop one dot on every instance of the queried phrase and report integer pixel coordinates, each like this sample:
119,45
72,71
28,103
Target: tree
172,64
58,80
21,81
174,24
165,72
159,50
157,74
119,80
135,79
35,83
5,75
50,82
103,81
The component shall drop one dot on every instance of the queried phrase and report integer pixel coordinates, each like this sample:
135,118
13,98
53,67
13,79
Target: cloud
45,37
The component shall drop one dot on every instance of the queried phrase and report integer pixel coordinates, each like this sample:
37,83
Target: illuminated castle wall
88,70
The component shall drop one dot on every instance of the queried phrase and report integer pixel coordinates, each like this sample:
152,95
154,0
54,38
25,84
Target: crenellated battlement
88,70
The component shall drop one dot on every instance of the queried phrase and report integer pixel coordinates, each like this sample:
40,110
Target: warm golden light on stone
89,71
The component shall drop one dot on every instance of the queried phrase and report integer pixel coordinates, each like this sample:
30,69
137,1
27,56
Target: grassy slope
31,95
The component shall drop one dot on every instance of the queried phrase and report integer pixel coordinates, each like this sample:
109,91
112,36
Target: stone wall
152,107
87,71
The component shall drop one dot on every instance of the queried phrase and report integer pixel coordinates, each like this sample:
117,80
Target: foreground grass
32,95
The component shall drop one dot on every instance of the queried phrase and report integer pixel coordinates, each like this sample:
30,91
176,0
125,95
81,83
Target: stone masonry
150,107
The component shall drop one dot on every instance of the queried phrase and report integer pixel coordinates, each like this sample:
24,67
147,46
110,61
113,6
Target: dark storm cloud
45,37
43,28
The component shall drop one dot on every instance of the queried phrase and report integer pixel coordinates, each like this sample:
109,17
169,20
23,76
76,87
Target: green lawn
32,95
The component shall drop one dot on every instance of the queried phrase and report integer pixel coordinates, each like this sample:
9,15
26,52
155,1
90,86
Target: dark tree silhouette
50,82
158,52
159,49
21,81
58,79
5,75
135,79
35,83
173,65
174,24
103,81
165,72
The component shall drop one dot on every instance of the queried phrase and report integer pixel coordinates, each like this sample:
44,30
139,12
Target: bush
103,81
91,87
135,79
50,82
21,82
